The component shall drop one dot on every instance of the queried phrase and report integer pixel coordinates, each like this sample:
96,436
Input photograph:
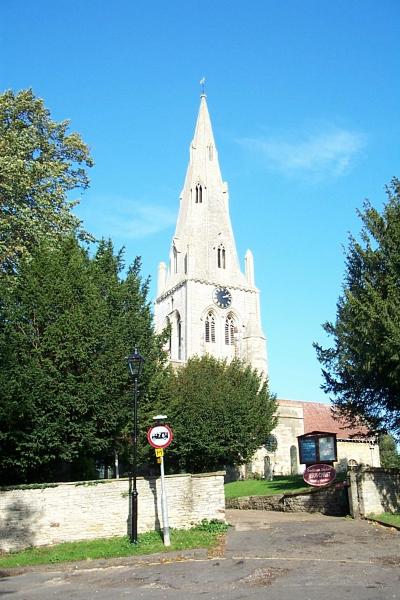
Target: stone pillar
352,491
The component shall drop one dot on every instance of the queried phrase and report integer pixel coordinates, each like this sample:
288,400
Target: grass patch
204,535
281,484
389,518
261,487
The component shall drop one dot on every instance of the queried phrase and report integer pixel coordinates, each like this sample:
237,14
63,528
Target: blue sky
304,99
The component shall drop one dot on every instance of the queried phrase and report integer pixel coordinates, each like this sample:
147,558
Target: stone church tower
211,306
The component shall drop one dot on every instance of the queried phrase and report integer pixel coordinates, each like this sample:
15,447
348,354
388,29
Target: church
212,307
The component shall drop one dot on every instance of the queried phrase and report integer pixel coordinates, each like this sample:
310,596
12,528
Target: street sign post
159,437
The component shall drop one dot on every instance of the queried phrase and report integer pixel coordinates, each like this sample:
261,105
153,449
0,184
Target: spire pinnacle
203,87
203,137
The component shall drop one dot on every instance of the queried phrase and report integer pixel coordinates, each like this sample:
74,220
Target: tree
221,413
390,458
66,327
362,368
40,164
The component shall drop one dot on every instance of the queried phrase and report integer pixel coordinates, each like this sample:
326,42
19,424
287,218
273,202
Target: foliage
40,164
362,368
221,413
66,327
205,535
213,526
390,457
388,518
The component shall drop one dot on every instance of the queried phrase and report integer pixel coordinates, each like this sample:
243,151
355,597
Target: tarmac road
285,556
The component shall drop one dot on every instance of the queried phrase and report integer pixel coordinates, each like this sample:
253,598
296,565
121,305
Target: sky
304,98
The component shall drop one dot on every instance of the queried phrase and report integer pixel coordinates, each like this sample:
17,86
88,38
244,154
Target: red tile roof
320,417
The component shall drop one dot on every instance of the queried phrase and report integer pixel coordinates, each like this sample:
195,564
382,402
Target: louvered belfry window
229,330
210,328
221,257
199,194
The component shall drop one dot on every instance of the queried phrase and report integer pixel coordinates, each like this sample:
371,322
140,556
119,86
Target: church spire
203,232
203,165
203,135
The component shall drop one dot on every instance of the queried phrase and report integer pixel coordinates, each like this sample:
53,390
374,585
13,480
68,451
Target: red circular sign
160,436
317,475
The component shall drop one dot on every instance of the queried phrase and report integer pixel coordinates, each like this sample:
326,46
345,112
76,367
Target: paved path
273,556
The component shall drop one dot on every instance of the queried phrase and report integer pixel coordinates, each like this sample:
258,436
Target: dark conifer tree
362,367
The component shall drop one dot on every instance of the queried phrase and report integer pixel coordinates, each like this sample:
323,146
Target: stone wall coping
212,474
365,469
94,482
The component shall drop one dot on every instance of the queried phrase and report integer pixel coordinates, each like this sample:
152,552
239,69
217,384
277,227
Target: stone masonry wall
373,490
77,511
330,500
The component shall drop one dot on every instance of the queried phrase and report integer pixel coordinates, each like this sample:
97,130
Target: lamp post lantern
135,363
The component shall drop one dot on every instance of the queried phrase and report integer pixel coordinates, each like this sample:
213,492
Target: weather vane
203,86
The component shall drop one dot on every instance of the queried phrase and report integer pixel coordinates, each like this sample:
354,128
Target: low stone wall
373,490
330,500
94,509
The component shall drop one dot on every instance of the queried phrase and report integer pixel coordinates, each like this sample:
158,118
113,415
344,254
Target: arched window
199,194
229,330
221,257
168,325
179,332
175,260
271,443
209,332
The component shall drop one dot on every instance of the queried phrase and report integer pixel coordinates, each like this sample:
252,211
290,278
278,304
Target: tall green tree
221,413
362,367
40,164
390,457
67,325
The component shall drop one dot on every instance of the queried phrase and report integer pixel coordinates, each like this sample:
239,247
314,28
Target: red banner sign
317,475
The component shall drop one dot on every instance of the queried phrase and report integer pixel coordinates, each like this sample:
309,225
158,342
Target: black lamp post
135,363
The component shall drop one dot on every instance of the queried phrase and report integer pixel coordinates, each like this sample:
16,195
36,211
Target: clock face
222,297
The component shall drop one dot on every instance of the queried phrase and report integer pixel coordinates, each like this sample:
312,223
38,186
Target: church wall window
210,152
271,443
221,262
185,263
175,253
179,332
229,330
209,332
168,325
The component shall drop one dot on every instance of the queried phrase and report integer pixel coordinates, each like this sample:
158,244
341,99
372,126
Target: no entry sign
160,436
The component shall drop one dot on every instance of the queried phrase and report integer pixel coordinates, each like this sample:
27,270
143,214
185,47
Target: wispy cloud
329,153
126,218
